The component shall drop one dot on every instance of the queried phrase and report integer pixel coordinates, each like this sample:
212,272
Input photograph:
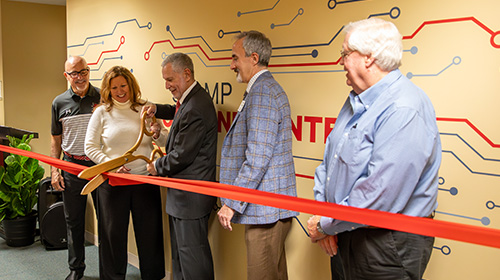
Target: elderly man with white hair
384,153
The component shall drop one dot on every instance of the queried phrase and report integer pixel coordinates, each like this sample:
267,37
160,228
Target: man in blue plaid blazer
257,154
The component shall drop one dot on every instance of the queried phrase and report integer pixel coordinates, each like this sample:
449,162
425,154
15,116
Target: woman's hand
123,169
156,129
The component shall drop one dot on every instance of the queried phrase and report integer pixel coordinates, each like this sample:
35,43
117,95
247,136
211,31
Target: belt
84,158
431,216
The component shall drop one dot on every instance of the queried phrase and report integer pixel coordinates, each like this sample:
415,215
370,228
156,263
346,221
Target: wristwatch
320,229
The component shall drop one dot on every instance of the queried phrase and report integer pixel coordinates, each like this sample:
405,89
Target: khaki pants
266,258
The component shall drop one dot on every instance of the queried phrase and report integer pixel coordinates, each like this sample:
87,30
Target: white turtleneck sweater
111,134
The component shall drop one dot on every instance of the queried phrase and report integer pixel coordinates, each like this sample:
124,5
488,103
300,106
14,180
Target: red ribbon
454,231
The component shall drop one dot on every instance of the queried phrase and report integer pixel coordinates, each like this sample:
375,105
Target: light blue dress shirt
383,153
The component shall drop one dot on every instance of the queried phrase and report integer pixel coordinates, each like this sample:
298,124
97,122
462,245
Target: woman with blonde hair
113,130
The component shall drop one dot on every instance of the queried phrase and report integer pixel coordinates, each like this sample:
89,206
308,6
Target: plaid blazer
257,151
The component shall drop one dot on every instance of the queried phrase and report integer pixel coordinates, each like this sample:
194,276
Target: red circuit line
304,176
448,21
473,19
429,227
466,121
229,58
305,64
187,46
122,41
473,128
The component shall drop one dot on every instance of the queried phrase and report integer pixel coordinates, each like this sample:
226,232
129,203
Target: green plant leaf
13,141
23,160
10,179
19,181
12,160
24,146
3,205
31,165
18,178
39,173
2,173
17,206
5,194
26,139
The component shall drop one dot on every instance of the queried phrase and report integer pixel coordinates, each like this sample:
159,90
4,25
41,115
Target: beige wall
455,60
2,112
33,48
467,89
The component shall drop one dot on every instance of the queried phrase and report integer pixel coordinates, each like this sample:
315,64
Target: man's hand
225,215
57,180
150,110
329,245
151,169
312,226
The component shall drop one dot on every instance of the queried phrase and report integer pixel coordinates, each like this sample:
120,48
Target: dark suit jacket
191,152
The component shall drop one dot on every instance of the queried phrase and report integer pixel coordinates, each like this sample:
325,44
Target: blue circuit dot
398,12
490,205
485,221
334,4
441,180
454,191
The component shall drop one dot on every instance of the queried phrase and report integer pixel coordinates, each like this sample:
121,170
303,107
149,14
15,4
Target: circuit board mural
451,50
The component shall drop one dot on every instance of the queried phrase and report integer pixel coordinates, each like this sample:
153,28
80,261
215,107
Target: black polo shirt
70,117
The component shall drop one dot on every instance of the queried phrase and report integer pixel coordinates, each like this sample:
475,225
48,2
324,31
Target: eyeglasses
83,73
345,54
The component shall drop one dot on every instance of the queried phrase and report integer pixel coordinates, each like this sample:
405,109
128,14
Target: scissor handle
154,152
144,130
149,160
143,124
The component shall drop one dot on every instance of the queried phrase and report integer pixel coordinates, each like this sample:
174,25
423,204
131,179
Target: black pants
383,254
191,254
336,267
115,205
74,212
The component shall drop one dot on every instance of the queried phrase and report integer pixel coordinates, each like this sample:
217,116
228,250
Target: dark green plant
19,181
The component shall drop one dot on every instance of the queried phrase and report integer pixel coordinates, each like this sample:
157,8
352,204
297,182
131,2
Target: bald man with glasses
71,113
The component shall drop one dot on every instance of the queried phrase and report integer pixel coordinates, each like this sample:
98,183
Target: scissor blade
104,167
93,184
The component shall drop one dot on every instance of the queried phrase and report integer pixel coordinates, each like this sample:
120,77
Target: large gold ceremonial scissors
111,165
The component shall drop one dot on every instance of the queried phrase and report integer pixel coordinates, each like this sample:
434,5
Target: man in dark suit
190,154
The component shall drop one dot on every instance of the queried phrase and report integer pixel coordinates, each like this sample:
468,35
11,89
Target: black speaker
53,232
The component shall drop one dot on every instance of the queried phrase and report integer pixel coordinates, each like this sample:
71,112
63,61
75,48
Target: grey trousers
374,254
191,253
